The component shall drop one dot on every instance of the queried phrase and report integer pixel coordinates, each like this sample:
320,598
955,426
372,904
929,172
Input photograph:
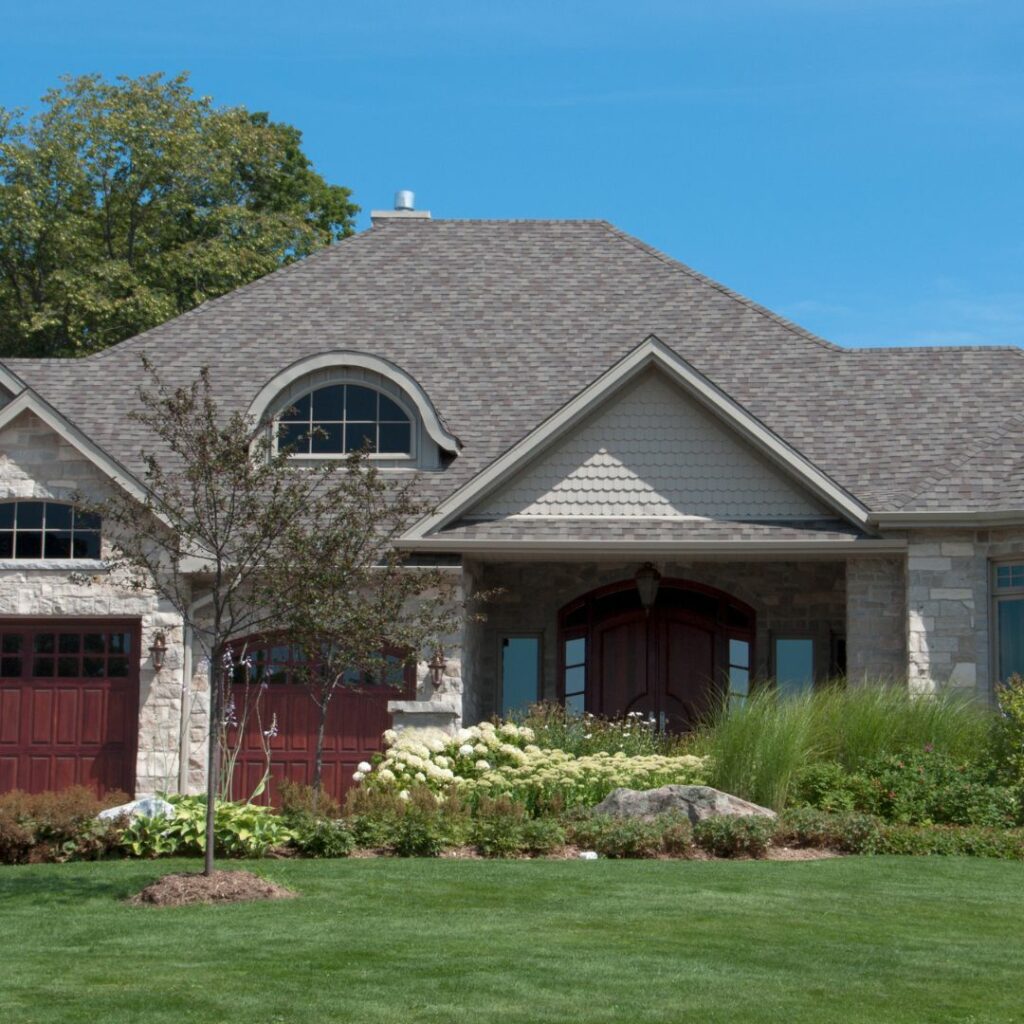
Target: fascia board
11,381
652,351
951,517
561,549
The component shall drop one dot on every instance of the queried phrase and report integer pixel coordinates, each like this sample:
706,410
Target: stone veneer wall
791,598
949,606
36,463
876,619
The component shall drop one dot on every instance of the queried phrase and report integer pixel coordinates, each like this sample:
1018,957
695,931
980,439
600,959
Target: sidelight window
575,678
739,669
520,673
1009,619
794,664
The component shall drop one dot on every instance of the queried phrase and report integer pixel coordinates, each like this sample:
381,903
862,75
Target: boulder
696,802
144,807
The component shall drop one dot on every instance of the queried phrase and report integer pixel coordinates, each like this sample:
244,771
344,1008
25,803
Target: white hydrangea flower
358,776
481,748
386,775
364,767
482,765
466,749
420,777
403,795
390,736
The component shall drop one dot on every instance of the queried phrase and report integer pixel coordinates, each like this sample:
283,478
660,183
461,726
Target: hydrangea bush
490,760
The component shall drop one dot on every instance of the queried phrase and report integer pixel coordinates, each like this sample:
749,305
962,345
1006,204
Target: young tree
242,541
123,204
355,608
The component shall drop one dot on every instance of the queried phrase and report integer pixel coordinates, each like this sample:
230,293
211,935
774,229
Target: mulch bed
179,890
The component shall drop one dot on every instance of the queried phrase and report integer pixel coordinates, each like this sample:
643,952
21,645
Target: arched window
341,418
47,529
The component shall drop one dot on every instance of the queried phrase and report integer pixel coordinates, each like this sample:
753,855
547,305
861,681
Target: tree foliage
244,542
123,204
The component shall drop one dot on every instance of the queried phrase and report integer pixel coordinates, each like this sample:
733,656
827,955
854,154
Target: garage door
279,704
69,696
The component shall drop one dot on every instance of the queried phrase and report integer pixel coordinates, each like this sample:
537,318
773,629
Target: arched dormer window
326,405
340,418
47,529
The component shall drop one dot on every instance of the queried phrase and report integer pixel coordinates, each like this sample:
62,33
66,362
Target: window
341,418
520,673
794,665
1009,616
739,669
575,660
47,529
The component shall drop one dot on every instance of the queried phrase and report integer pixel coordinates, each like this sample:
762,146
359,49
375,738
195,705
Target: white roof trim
342,359
11,381
568,550
950,517
29,401
650,352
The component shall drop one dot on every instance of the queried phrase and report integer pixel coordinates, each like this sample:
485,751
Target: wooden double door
670,662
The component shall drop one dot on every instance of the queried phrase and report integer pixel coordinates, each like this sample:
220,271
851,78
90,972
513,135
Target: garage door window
80,655
47,529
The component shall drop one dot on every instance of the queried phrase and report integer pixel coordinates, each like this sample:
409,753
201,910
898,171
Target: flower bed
490,760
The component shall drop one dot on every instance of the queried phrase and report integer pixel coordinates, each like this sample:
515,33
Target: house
677,491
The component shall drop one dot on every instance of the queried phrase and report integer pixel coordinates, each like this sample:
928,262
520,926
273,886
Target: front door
669,662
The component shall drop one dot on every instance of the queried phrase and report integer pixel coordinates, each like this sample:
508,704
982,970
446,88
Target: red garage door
357,716
69,697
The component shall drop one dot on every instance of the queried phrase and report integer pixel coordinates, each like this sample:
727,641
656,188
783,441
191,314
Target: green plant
634,735
735,837
497,829
925,787
618,837
849,832
298,799
1009,731
756,748
321,837
539,836
240,830
826,785
16,840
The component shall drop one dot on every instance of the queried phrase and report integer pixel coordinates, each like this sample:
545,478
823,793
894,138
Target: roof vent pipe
405,200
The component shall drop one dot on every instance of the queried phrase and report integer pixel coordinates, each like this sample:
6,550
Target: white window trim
997,595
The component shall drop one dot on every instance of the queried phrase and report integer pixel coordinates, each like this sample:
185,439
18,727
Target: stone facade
949,596
36,463
794,599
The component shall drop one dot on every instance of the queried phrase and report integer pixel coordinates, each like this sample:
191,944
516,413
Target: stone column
876,620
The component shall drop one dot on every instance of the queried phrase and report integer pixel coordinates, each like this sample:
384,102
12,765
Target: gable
652,451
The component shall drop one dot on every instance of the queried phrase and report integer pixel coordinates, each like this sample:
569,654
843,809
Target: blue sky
855,165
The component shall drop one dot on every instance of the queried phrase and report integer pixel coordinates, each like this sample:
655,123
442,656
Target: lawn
370,941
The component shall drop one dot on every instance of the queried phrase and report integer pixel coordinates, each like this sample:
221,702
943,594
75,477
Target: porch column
876,620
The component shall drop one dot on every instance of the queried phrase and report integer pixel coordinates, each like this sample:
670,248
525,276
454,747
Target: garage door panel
41,728
10,716
95,717
66,726
75,723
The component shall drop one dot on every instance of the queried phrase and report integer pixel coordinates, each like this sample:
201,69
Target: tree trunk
318,761
213,767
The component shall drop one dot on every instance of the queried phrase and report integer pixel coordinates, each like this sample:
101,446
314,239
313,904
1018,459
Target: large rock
144,807
696,802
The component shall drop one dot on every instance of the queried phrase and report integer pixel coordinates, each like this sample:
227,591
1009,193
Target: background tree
124,204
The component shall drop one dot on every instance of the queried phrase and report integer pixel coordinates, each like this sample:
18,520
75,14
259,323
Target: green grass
856,940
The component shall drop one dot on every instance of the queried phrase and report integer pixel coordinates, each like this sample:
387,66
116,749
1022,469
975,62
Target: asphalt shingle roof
502,322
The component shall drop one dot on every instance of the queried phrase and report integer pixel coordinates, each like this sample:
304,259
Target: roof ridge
972,451
675,264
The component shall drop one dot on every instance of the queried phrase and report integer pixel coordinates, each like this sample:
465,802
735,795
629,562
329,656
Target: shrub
825,785
298,800
56,826
926,787
554,728
1009,730
321,837
735,837
489,761
240,830
952,840
848,832
497,829
618,837
539,836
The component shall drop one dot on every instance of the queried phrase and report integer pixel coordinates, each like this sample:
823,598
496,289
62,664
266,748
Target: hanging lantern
647,580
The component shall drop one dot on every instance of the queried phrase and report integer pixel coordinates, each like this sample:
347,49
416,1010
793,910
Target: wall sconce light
158,649
647,580
437,665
